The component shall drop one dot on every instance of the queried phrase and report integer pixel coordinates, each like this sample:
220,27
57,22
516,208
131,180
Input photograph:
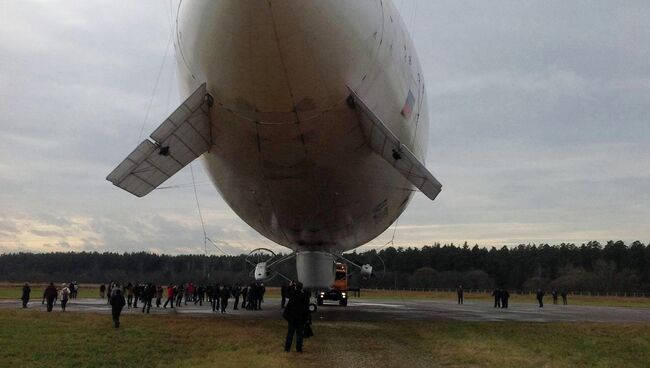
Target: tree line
610,267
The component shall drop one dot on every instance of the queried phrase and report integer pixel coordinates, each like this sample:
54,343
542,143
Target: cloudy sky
540,115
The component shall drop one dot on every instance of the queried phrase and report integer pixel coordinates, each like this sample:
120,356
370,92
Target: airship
309,116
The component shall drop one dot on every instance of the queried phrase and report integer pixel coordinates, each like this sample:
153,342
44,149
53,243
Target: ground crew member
49,295
25,297
540,298
297,315
117,303
564,294
554,294
460,292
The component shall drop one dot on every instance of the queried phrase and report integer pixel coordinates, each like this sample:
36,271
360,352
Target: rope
155,88
392,240
198,206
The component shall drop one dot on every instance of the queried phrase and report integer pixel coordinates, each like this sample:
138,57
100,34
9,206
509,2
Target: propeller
258,261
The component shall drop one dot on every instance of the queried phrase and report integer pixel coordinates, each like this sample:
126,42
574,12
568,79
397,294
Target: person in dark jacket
244,295
225,295
216,297
25,297
505,296
497,298
236,291
147,296
50,295
540,298
284,291
564,294
460,293
297,315
117,303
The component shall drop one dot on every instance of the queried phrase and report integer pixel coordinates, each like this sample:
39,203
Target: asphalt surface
385,310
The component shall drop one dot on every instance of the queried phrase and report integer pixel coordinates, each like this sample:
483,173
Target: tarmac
375,310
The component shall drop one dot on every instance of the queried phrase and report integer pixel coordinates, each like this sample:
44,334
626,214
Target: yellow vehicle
340,290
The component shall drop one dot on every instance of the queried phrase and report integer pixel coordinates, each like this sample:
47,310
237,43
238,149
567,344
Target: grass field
35,339
13,291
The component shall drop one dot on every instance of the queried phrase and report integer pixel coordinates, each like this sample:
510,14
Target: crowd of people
502,296
216,296
52,294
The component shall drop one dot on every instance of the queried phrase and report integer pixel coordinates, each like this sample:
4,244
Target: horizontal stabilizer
180,139
388,146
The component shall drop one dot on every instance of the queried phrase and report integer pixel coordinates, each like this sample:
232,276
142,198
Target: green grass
37,339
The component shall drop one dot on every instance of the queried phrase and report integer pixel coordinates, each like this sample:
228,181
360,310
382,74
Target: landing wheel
313,308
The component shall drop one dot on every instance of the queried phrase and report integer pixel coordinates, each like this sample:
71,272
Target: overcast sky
540,126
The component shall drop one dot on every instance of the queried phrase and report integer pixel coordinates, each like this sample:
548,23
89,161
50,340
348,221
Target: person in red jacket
50,295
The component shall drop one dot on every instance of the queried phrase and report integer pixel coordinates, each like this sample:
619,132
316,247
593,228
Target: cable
392,240
198,206
155,88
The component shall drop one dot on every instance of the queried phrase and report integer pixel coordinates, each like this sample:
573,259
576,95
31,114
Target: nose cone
278,60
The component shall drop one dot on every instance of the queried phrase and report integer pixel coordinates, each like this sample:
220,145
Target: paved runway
391,310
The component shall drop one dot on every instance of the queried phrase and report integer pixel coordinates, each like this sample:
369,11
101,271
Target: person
200,294
244,295
284,290
262,290
554,294
138,289
25,297
102,291
497,298
147,297
564,295
159,295
129,294
179,295
72,288
296,313
65,295
460,293
505,295
540,298
170,296
49,295
110,292
236,291
117,303
225,295
216,297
